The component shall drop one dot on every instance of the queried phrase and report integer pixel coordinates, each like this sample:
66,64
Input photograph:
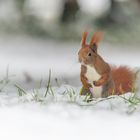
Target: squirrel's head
88,53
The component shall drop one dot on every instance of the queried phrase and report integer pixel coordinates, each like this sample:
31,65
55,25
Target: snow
61,120
36,125
52,10
61,117
95,6
46,9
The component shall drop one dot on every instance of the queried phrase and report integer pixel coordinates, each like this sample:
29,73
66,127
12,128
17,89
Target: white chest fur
92,75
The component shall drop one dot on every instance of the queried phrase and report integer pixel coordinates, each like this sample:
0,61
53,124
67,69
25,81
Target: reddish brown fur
83,78
120,80
84,36
96,38
123,78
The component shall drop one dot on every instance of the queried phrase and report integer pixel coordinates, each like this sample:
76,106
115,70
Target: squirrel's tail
124,79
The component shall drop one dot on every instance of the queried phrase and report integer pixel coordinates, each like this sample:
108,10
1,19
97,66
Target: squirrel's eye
89,54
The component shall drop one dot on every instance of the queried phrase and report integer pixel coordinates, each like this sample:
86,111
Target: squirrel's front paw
96,83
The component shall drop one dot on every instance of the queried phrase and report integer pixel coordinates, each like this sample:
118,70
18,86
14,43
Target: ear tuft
96,38
84,36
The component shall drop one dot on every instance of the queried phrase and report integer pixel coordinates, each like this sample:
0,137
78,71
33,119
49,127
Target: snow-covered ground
61,116
59,119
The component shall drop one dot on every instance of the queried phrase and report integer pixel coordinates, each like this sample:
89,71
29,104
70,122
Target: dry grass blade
21,91
48,85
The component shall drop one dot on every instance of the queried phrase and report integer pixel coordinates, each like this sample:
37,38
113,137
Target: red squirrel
98,78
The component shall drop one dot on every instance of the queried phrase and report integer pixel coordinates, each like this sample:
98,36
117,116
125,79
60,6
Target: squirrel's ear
96,38
94,48
83,41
